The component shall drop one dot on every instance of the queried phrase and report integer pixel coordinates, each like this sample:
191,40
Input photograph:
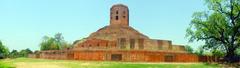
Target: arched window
98,45
106,45
132,43
124,14
116,17
90,45
116,12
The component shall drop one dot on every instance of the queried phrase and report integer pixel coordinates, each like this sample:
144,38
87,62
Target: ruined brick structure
120,42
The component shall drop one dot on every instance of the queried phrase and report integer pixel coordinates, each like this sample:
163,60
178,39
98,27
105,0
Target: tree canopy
21,53
54,43
219,27
3,51
14,54
189,49
25,52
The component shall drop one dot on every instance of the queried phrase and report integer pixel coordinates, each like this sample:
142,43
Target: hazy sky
23,23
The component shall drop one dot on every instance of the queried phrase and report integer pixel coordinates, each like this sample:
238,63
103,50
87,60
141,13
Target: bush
3,51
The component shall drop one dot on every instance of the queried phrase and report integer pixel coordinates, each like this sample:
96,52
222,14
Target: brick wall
56,54
96,44
126,55
135,55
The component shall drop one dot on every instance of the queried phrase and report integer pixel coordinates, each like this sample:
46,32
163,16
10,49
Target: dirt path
38,65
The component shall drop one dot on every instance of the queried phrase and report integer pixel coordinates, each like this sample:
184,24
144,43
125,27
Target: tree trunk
231,57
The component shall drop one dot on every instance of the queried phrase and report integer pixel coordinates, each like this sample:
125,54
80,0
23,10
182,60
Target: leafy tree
14,54
25,52
217,53
238,51
49,44
219,27
66,45
54,43
59,40
189,49
29,51
59,37
22,53
200,51
3,51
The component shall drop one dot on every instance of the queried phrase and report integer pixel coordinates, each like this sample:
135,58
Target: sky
23,23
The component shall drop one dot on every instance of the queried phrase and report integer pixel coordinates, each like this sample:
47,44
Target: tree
59,40
54,43
66,45
14,54
238,51
217,53
24,52
189,49
29,51
49,44
3,51
219,28
200,51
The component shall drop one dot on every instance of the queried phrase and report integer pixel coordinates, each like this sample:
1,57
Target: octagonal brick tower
119,15
119,26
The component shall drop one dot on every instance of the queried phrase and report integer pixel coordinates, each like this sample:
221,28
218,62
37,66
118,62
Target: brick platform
118,55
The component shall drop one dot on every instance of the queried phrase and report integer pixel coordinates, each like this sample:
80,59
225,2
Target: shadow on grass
224,65
211,64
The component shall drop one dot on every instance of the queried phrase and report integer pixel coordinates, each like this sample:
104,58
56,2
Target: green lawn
43,63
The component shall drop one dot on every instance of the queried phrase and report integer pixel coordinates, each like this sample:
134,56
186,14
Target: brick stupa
120,42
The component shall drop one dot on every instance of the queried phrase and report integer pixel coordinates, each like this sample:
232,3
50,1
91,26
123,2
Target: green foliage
49,44
218,53
200,51
25,52
54,43
238,51
3,51
21,53
189,49
219,27
14,54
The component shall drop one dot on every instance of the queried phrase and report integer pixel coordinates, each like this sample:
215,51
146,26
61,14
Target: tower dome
119,15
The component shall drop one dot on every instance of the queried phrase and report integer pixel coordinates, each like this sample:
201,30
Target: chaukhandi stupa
120,42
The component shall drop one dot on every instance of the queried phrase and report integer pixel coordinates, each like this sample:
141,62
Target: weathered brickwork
121,55
119,15
96,44
120,42
56,54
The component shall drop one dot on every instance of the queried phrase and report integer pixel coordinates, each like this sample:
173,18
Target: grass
43,63
5,65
